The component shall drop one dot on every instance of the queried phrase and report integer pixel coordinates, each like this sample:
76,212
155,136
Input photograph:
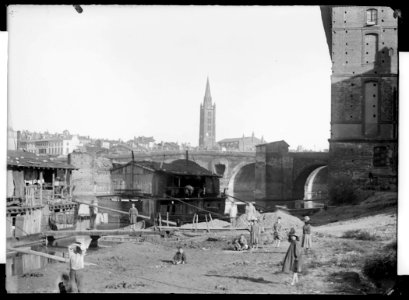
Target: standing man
133,216
76,253
233,213
93,211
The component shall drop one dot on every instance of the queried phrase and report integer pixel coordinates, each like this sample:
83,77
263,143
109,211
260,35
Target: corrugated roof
30,160
177,167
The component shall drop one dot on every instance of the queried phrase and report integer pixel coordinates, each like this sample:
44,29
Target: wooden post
70,183
160,219
193,222
167,217
211,219
65,183
53,182
41,186
207,224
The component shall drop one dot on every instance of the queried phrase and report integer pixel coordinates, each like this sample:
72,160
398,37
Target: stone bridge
270,173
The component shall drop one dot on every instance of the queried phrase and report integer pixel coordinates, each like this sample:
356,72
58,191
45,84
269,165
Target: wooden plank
203,229
58,258
96,232
123,212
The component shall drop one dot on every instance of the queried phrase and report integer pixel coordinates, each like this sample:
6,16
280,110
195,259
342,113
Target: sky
124,71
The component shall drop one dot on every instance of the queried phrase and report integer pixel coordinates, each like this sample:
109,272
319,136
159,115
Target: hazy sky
124,71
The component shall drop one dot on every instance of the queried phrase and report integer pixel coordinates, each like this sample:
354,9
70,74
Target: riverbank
144,265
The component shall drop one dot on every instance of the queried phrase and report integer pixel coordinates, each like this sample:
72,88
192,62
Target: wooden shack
162,186
34,182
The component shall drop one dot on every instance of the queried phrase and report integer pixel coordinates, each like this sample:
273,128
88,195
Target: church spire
208,96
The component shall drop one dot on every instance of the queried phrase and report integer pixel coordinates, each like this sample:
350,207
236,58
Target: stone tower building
362,42
207,134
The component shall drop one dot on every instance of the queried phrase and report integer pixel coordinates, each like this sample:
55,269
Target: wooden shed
163,186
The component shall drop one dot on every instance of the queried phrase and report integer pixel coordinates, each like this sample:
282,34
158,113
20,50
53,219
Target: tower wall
364,97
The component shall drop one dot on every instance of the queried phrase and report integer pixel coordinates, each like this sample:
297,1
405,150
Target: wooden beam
58,258
122,212
100,232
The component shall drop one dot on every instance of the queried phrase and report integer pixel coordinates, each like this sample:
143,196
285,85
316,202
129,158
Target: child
64,285
306,237
277,232
240,243
180,257
293,258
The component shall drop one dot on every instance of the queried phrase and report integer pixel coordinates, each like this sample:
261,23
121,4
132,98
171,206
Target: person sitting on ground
240,243
180,257
64,285
277,232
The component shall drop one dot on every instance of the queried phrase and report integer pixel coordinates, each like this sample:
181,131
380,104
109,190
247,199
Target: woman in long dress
306,237
293,258
254,234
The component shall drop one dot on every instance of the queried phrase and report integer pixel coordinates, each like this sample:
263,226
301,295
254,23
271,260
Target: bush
382,265
342,191
360,235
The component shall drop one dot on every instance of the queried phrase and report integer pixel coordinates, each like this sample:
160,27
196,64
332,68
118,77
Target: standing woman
255,231
293,258
306,237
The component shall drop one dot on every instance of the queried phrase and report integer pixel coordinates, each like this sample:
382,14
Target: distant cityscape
62,144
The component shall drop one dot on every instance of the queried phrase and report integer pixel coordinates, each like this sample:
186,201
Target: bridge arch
311,183
242,181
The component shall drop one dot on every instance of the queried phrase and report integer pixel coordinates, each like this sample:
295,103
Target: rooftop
178,167
17,158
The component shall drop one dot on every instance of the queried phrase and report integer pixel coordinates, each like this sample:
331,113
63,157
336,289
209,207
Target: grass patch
383,264
360,235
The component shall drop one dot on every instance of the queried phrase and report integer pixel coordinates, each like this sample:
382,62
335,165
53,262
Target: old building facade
207,133
362,42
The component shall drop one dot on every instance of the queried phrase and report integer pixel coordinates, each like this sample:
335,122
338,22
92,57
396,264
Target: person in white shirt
233,214
76,253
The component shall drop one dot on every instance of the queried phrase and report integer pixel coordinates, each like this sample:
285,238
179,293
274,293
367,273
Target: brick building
362,43
207,133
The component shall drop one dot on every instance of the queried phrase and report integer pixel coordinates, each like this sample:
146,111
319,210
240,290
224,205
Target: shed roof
16,158
177,167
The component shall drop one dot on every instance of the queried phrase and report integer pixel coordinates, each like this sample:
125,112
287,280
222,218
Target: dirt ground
144,266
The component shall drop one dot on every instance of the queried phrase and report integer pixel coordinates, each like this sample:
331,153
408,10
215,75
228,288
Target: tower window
371,16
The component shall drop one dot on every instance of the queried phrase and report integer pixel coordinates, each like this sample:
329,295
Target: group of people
293,260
